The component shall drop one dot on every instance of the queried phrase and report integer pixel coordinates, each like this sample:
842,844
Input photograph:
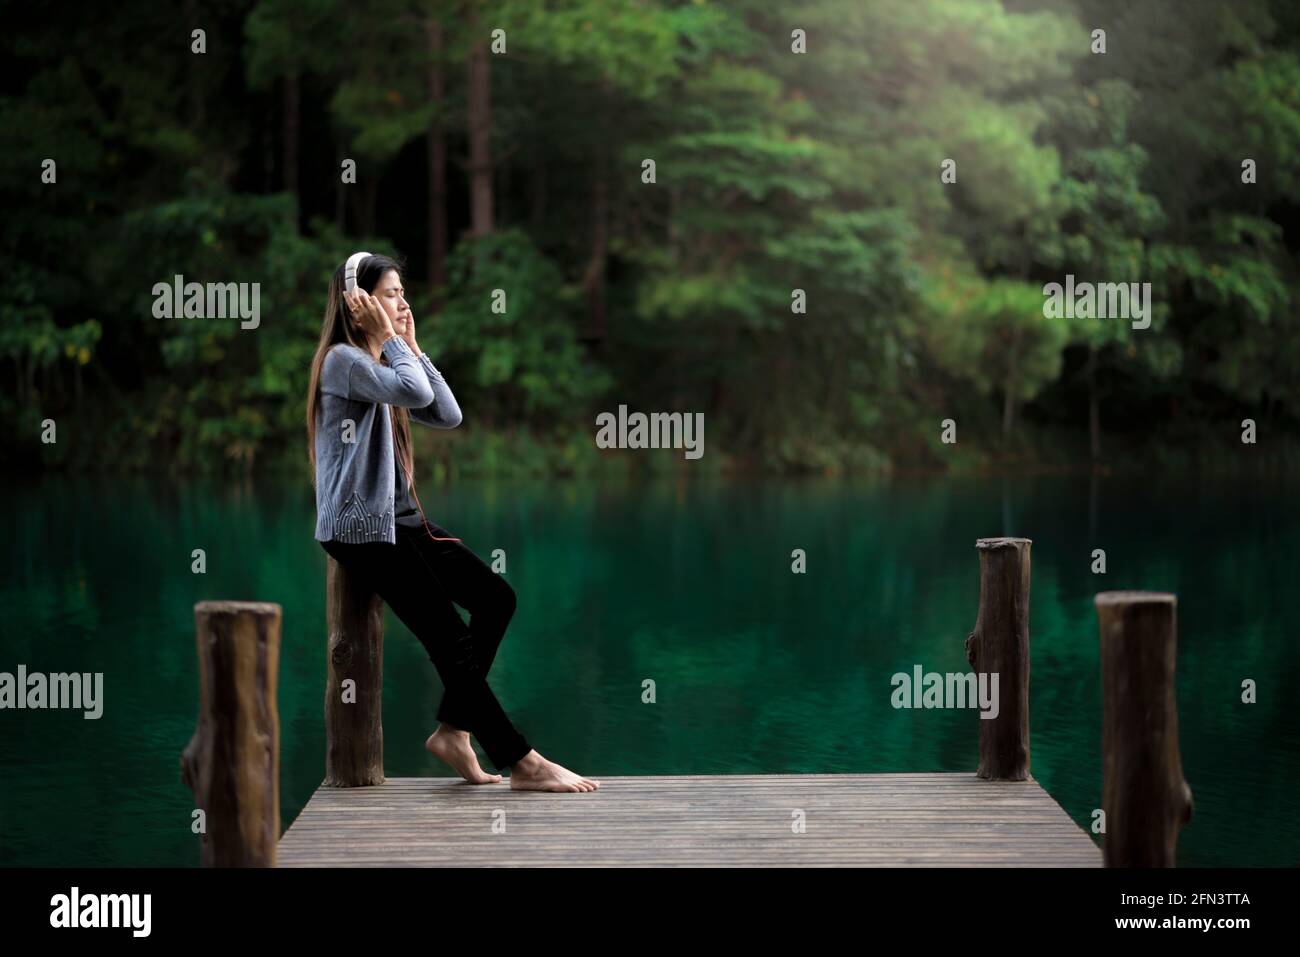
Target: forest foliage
774,171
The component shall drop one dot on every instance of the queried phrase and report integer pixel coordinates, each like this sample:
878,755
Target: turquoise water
757,669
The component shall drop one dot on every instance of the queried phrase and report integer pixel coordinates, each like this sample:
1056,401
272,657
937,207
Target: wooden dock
741,820
996,817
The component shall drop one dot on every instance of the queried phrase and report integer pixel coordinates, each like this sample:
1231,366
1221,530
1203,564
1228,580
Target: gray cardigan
355,479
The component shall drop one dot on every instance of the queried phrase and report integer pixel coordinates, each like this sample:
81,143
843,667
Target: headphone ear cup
350,270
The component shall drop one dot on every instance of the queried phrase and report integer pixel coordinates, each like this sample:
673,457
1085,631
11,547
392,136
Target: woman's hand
409,334
369,315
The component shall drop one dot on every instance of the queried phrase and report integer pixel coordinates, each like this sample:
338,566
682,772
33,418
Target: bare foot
533,772
453,748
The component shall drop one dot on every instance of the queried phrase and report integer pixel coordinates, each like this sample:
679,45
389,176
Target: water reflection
756,669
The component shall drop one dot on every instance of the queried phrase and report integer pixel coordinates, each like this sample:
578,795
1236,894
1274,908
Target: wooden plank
740,820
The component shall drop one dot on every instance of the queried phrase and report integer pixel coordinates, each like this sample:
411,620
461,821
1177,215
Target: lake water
757,669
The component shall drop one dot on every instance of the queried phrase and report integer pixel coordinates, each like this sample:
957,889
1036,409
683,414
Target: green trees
827,228
1202,92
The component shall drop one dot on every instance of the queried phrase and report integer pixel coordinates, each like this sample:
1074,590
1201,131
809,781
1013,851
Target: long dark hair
338,328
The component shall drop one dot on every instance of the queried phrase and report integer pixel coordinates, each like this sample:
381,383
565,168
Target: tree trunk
501,191
539,191
354,732
437,149
1144,796
1094,500
479,103
1009,406
291,124
1094,409
194,78
1009,396
1000,645
232,763
674,229
593,279
269,183
340,193
366,204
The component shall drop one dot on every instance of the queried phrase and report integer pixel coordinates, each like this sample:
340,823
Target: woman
368,380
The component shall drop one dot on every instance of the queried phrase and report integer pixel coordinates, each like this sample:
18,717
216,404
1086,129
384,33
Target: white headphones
350,270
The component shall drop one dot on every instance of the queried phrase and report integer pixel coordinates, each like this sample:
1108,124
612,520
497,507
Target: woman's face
392,297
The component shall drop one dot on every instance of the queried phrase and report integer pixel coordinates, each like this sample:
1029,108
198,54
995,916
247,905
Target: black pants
419,578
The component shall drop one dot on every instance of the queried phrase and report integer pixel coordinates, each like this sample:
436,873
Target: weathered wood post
232,763
354,730
1000,645
1144,796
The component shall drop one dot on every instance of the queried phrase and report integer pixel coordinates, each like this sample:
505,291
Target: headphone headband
350,270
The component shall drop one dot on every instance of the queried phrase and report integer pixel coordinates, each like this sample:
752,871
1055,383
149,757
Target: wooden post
354,730
232,763
1144,796
1000,645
